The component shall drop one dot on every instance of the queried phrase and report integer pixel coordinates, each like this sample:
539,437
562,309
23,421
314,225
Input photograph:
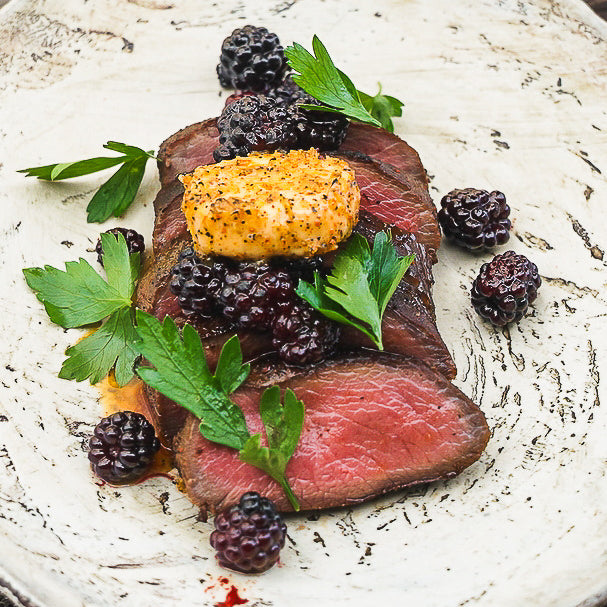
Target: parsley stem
284,483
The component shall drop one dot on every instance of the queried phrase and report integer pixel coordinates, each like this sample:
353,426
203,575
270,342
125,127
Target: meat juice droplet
232,599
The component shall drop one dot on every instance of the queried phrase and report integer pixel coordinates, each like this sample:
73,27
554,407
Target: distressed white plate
499,94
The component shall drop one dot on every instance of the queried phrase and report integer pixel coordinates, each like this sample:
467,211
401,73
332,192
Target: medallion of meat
375,421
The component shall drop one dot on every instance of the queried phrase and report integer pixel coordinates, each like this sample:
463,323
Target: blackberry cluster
122,447
134,242
475,219
254,123
257,296
315,129
248,537
301,267
325,131
253,294
505,287
302,336
289,93
251,59
274,120
197,284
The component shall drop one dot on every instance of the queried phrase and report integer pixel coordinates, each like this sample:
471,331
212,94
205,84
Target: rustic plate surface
499,94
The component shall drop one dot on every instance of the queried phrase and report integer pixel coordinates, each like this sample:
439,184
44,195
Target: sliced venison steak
374,423
409,324
390,174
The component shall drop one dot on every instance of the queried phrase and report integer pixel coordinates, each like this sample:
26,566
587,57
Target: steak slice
374,423
396,193
386,197
409,322
408,327
187,149
390,152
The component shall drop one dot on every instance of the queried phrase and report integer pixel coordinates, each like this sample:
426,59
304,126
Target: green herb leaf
386,269
360,285
127,150
112,345
118,192
283,424
317,75
75,297
230,372
181,373
79,296
382,107
122,268
115,195
69,170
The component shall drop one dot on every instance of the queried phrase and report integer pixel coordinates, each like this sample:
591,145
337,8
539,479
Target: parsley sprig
79,297
179,371
317,75
360,285
116,195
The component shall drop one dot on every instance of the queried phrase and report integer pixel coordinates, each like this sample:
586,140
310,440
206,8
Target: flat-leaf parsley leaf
317,75
79,296
180,371
283,424
115,195
360,285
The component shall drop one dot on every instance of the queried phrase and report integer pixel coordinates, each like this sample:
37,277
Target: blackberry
257,296
505,287
325,131
253,293
315,129
248,537
302,336
122,447
251,59
475,219
236,95
288,93
134,242
197,283
254,123
301,267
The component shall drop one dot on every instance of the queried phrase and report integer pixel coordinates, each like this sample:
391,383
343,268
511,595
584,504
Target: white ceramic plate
499,94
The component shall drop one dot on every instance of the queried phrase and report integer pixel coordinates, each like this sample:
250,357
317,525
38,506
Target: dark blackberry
197,283
301,267
236,95
302,336
248,537
251,59
475,219
134,242
288,93
122,447
253,293
254,123
325,131
315,129
505,287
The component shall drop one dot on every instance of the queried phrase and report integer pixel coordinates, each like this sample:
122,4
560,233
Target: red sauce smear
232,599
